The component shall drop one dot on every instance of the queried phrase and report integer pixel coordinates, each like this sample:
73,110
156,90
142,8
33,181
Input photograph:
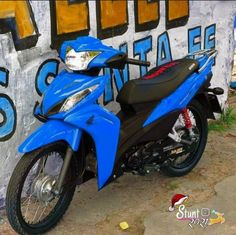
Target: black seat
158,83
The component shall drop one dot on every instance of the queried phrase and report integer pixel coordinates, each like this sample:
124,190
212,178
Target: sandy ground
143,201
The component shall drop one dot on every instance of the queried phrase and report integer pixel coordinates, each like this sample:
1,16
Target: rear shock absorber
187,121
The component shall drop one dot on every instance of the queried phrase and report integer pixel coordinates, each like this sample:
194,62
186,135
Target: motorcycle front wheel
31,206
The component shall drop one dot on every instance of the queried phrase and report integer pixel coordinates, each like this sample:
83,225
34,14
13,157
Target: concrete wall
234,32
158,31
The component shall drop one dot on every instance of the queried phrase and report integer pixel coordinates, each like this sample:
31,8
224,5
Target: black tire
201,121
13,196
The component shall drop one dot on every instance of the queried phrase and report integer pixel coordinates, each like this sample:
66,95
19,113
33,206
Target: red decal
161,70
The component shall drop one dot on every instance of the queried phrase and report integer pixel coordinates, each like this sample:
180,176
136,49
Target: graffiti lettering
125,72
4,77
120,78
194,39
17,17
209,41
177,13
147,14
164,51
210,32
47,69
141,48
112,18
109,91
7,110
69,19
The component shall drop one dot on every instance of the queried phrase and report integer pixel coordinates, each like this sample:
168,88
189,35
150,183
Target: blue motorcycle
161,125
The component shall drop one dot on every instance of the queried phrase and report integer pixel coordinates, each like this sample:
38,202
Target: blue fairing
180,98
104,127
50,132
67,84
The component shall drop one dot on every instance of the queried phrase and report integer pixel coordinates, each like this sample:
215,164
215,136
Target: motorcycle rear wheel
18,197
191,161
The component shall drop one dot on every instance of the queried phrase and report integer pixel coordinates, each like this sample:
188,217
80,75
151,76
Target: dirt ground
234,69
143,201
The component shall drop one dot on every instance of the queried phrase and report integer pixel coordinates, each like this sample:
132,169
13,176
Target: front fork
82,174
66,163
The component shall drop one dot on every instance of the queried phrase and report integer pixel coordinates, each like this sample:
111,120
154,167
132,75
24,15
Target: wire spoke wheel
32,206
37,200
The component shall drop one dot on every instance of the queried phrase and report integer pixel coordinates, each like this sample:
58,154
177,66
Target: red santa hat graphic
176,200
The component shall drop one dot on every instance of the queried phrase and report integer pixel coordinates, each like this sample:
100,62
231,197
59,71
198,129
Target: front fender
49,132
104,127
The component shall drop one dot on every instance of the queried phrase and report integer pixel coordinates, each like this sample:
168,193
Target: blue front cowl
63,86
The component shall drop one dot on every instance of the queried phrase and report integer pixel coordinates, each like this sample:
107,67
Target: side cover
180,98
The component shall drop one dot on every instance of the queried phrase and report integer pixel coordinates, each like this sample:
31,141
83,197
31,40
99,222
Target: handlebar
137,62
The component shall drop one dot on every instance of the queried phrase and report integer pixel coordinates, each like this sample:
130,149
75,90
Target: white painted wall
23,65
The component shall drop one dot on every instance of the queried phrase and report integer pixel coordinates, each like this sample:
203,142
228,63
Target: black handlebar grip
137,62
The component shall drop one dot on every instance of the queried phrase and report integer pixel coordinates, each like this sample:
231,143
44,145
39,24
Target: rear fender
210,104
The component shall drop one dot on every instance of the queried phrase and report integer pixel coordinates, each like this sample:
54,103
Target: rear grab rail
211,53
212,56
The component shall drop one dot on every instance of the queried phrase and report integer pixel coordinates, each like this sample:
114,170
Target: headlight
77,61
71,101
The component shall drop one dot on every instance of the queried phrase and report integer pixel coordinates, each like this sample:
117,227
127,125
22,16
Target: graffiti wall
31,33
